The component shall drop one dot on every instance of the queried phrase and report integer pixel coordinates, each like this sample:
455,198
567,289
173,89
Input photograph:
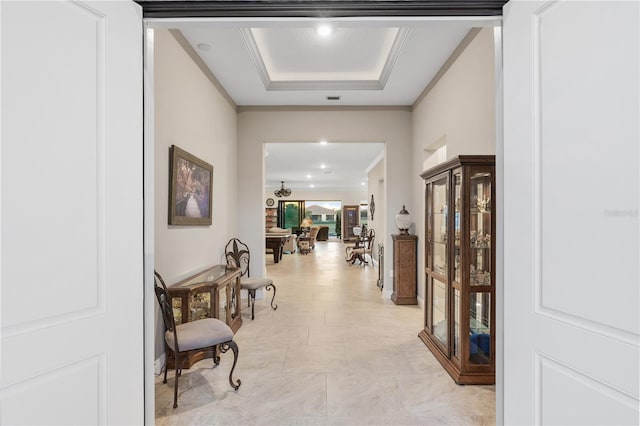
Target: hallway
334,352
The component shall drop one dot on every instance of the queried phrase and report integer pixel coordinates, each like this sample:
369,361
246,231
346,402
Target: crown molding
284,85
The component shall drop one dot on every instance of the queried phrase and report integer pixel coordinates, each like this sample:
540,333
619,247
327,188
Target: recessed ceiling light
323,166
204,46
308,176
323,142
362,184
312,186
324,30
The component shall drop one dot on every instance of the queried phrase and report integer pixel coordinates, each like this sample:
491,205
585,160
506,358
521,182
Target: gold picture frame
190,189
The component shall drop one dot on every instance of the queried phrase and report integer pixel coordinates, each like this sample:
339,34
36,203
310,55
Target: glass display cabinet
212,293
459,323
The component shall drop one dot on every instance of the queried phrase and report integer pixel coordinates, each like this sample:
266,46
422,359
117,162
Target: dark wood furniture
323,233
276,243
207,294
459,325
350,218
405,269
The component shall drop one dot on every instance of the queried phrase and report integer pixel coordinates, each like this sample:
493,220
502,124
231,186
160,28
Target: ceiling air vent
333,98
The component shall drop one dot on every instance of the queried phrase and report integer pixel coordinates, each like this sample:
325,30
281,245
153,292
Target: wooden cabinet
459,326
270,217
405,272
350,218
212,293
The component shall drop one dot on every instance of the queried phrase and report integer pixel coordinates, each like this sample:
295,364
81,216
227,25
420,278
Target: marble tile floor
335,352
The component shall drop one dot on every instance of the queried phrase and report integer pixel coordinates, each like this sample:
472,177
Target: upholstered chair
313,233
199,334
238,256
361,253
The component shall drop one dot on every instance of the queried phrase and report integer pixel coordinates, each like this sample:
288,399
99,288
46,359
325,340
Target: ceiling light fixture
323,142
308,176
323,166
282,192
204,46
324,30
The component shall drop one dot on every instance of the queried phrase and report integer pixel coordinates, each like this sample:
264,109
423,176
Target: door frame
173,11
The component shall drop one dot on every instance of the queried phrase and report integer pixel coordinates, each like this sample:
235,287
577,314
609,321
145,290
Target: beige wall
192,114
256,126
459,113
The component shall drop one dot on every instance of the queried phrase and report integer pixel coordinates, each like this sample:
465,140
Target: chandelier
282,192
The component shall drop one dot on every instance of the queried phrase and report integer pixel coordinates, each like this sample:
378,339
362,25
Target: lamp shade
404,221
306,222
357,230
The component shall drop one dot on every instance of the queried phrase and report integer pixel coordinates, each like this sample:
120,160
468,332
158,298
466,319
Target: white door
71,230
571,186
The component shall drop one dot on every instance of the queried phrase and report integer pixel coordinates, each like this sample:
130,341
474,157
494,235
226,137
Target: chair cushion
361,251
200,333
254,283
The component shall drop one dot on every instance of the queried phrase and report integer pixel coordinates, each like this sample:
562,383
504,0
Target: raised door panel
572,99
71,186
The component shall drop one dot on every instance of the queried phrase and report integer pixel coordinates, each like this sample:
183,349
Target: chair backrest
313,232
165,306
371,238
237,255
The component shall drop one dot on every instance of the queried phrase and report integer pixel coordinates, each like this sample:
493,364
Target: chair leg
252,300
274,307
216,358
166,368
167,351
175,388
234,347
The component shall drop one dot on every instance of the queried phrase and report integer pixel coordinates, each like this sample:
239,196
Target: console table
211,293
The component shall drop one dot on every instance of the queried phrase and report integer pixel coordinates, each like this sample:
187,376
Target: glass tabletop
208,275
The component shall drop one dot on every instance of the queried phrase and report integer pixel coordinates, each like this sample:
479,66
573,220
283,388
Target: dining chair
199,334
238,256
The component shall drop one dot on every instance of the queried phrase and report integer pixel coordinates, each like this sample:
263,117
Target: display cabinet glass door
481,269
457,258
438,268
481,229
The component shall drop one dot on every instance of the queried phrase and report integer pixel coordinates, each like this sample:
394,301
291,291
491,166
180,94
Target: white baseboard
158,364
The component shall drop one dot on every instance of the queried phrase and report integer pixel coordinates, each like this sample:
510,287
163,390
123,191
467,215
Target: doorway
400,180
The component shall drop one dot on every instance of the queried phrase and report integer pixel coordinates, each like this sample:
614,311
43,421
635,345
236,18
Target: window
323,213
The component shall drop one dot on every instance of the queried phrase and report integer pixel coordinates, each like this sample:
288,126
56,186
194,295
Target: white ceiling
364,61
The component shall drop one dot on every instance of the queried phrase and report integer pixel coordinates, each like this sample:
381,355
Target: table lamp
404,221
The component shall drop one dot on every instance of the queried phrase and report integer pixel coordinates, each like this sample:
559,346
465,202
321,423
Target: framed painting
190,185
